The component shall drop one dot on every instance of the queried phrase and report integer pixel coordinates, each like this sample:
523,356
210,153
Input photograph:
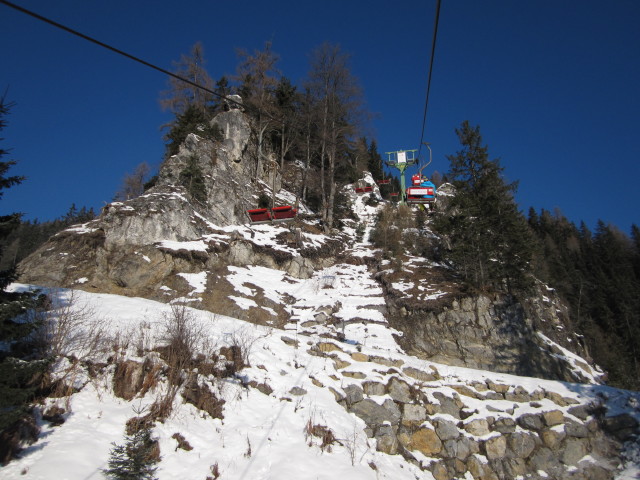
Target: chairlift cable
115,50
88,38
433,51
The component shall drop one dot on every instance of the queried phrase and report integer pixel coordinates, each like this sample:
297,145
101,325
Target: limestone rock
373,413
359,357
448,405
426,441
480,470
531,421
413,415
575,429
552,438
504,425
521,444
298,391
399,390
553,417
421,375
373,388
574,450
495,447
387,442
446,429
479,427
353,394
461,448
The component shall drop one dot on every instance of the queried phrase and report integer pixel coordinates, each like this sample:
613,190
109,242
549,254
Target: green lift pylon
401,160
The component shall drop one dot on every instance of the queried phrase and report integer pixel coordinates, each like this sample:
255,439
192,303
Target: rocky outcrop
495,333
145,246
489,429
227,167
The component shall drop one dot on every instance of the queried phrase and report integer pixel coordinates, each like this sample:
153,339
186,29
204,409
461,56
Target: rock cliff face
226,166
496,334
145,246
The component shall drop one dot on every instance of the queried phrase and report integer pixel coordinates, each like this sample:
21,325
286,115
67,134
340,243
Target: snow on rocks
445,421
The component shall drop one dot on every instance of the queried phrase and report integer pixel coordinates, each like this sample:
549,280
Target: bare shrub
54,415
186,349
142,338
180,336
162,407
182,442
72,335
324,433
351,443
151,377
135,424
69,327
238,351
215,472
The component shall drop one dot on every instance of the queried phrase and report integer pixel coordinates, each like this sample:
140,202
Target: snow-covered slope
265,434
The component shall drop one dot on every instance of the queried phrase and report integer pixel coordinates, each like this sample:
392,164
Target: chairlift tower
400,160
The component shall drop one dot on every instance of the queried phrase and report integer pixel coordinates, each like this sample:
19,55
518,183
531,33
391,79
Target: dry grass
322,432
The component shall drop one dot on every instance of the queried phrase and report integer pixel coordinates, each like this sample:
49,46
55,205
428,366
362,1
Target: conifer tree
489,238
19,372
597,275
222,89
135,459
193,120
192,179
375,161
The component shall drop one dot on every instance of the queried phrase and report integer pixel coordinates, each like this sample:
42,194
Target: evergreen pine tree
597,275
192,179
222,89
135,459
20,373
489,238
375,161
193,120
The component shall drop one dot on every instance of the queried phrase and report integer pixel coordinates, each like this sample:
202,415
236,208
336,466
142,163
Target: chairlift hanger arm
428,145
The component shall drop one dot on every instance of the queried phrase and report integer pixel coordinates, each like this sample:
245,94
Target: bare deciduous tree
133,183
258,77
70,327
339,98
180,95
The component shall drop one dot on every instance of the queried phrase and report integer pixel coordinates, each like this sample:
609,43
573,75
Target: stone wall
495,431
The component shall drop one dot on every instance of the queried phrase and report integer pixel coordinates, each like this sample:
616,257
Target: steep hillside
303,346
300,405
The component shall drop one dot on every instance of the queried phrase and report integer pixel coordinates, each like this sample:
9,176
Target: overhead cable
114,49
433,51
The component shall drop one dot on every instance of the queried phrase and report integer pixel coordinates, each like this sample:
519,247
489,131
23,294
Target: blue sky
552,84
